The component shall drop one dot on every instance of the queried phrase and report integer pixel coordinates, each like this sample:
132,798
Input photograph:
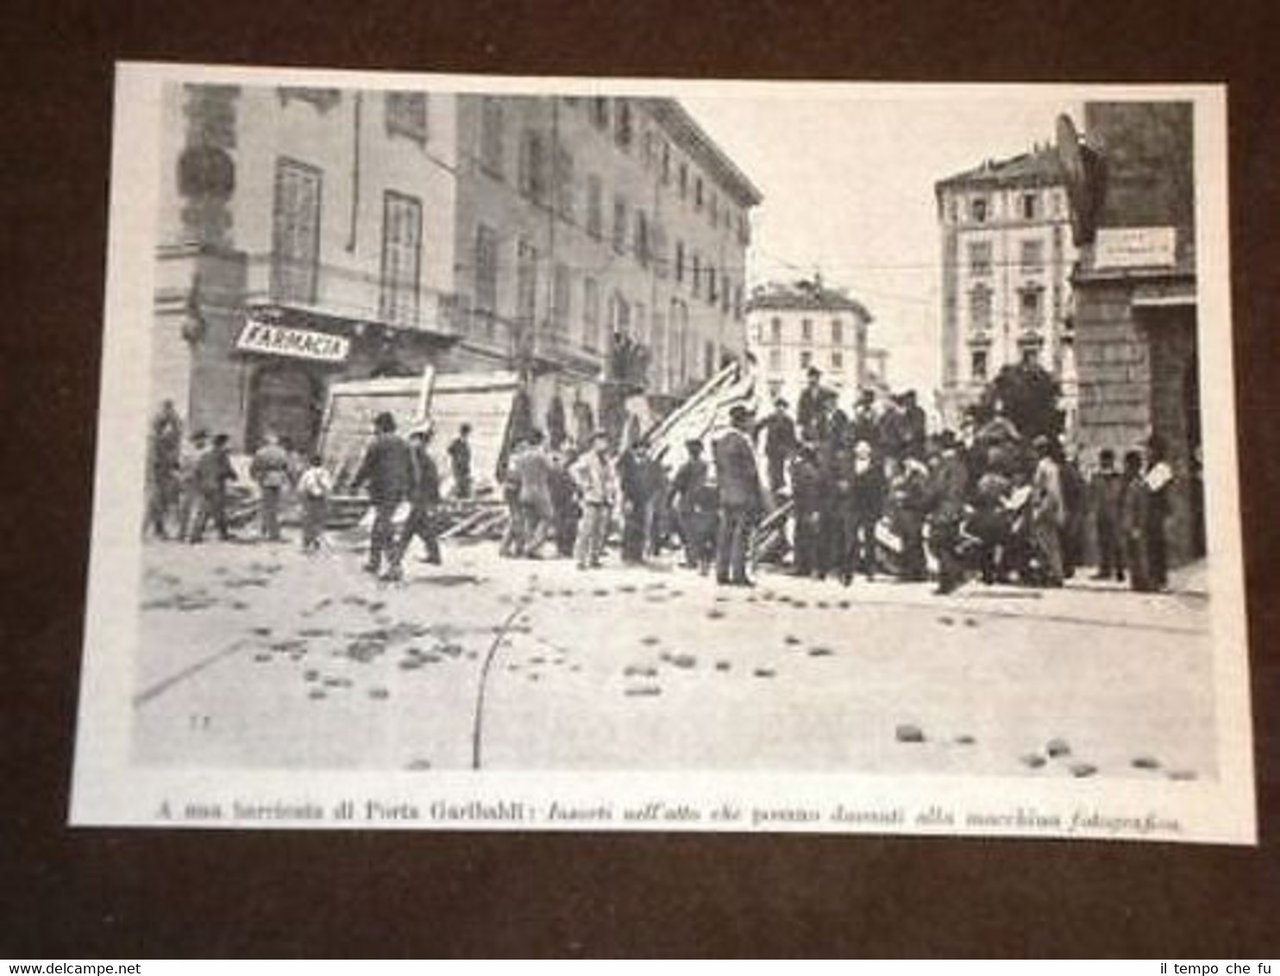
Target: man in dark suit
738,481
387,469
423,499
779,443
809,408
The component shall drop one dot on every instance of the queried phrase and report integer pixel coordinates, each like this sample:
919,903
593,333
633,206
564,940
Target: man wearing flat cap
741,501
809,408
779,443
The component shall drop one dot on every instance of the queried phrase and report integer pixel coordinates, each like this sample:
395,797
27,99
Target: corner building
312,234
1007,256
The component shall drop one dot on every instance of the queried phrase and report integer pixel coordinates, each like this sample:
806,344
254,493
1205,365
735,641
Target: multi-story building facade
308,234
793,327
1136,297
1007,256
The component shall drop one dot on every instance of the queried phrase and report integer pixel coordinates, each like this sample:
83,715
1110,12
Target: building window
978,209
1031,356
486,261
978,365
680,261
1032,255
491,136
837,332
590,313
666,163
684,181
563,173
407,114
560,299
600,113
980,258
708,358
322,99
726,290
737,302
837,359
641,243
1029,308
526,289
696,286
619,224
806,358
697,193
953,215
980,308
401,257
711,285
713,209
775,330
675,353
595,207
775,359
1029,206
622,129
295,237
533,166
806,330
744,230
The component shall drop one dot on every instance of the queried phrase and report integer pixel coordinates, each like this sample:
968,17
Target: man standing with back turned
740,498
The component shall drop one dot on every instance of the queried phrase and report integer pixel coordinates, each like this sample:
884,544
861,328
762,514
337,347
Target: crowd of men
846,494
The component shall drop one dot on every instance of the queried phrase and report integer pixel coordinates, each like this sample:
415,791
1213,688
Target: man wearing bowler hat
387,468
741,503
423,499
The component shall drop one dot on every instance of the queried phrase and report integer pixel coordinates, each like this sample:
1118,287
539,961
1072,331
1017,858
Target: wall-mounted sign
1135,247
278,340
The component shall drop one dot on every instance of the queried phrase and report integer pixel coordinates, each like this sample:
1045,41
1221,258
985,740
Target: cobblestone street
257,656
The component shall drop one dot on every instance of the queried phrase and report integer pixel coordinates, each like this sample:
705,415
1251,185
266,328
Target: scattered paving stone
513,667
417,765
1145,762
262,631
821,604
525,599
315,632
965,740
537,660
599,592
1057,748
909,733
791,639
800,604
310,675
1033,759
337,682
626,588
471,655
410,664
1182,774
640,671
239,605
715,614
567,592
649,641
317,693
723,665
262,657
1082,769
821,652
970,622
765,673
947,621
685,661
534,677
376,605
379,693
644,691
575,667
721,598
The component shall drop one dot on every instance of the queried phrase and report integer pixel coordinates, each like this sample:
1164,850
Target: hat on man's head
221,439
200,435
739,413
384,422
948,439
814,372
424,429
693,445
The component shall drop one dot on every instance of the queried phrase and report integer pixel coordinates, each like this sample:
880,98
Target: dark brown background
109,893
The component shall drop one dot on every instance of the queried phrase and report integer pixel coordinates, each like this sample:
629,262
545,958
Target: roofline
982,176
675,118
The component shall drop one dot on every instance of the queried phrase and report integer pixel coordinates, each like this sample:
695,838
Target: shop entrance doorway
287,400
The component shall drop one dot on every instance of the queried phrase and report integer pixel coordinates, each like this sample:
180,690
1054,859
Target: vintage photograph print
500,453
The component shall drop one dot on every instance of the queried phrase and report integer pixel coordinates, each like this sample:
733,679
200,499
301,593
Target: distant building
1136,304
310,234
792,327
1007,256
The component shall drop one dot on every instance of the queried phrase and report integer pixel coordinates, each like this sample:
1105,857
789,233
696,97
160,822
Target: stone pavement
257,656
